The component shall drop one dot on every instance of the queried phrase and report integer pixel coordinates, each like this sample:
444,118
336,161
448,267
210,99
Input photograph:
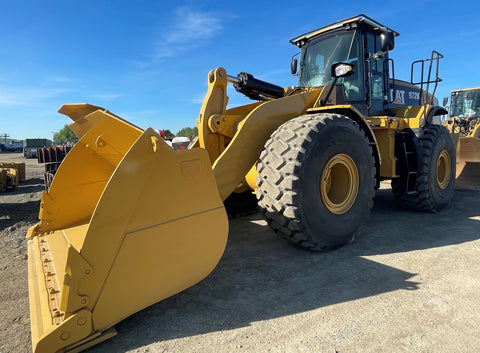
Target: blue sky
147,61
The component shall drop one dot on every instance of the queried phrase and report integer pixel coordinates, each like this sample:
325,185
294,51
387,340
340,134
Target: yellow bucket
127,222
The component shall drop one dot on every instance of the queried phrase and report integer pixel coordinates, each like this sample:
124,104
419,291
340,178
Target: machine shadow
25,187
12,213
261,277
392,229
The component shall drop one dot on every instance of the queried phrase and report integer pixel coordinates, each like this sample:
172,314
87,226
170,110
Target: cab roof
350,22
465,89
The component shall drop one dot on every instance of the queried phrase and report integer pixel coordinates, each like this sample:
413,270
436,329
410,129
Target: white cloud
198,98
274,75
60,79
188,29
19,96
107,96
8,99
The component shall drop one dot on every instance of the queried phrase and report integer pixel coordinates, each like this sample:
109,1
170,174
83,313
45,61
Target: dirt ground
411,283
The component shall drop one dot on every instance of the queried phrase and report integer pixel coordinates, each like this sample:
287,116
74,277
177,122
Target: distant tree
64,136
188,132
168,133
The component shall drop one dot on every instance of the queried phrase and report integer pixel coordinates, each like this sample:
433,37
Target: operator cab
465,103
364,44
465,109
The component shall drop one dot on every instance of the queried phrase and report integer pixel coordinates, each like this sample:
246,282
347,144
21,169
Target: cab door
377,72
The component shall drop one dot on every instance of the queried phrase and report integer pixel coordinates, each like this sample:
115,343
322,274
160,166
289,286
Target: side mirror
445,101
342,70
387,41
293,66
339,70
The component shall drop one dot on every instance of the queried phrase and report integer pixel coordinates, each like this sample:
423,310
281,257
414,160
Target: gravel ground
18,211
411,283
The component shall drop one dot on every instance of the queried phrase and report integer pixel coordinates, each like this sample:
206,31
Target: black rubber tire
430,195
289,183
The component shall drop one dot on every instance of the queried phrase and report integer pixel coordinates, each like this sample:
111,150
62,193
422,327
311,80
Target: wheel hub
339,184
443,170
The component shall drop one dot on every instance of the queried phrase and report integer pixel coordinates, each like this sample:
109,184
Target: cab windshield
317,58
465,104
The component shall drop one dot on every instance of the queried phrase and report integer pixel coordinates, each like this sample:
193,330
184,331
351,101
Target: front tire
317,181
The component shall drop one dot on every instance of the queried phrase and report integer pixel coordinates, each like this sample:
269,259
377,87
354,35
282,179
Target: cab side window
376,67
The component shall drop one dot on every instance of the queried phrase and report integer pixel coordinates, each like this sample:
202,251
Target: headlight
342,70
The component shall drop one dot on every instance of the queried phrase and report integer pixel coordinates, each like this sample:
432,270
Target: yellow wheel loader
113,238
464,122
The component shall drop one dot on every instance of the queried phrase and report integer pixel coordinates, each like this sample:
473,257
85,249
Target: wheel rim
339,184
443,170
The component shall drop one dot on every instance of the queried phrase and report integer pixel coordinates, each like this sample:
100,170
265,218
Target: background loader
113,238
464,121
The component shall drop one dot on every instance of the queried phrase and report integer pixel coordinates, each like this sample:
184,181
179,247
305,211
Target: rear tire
436,178
317,181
